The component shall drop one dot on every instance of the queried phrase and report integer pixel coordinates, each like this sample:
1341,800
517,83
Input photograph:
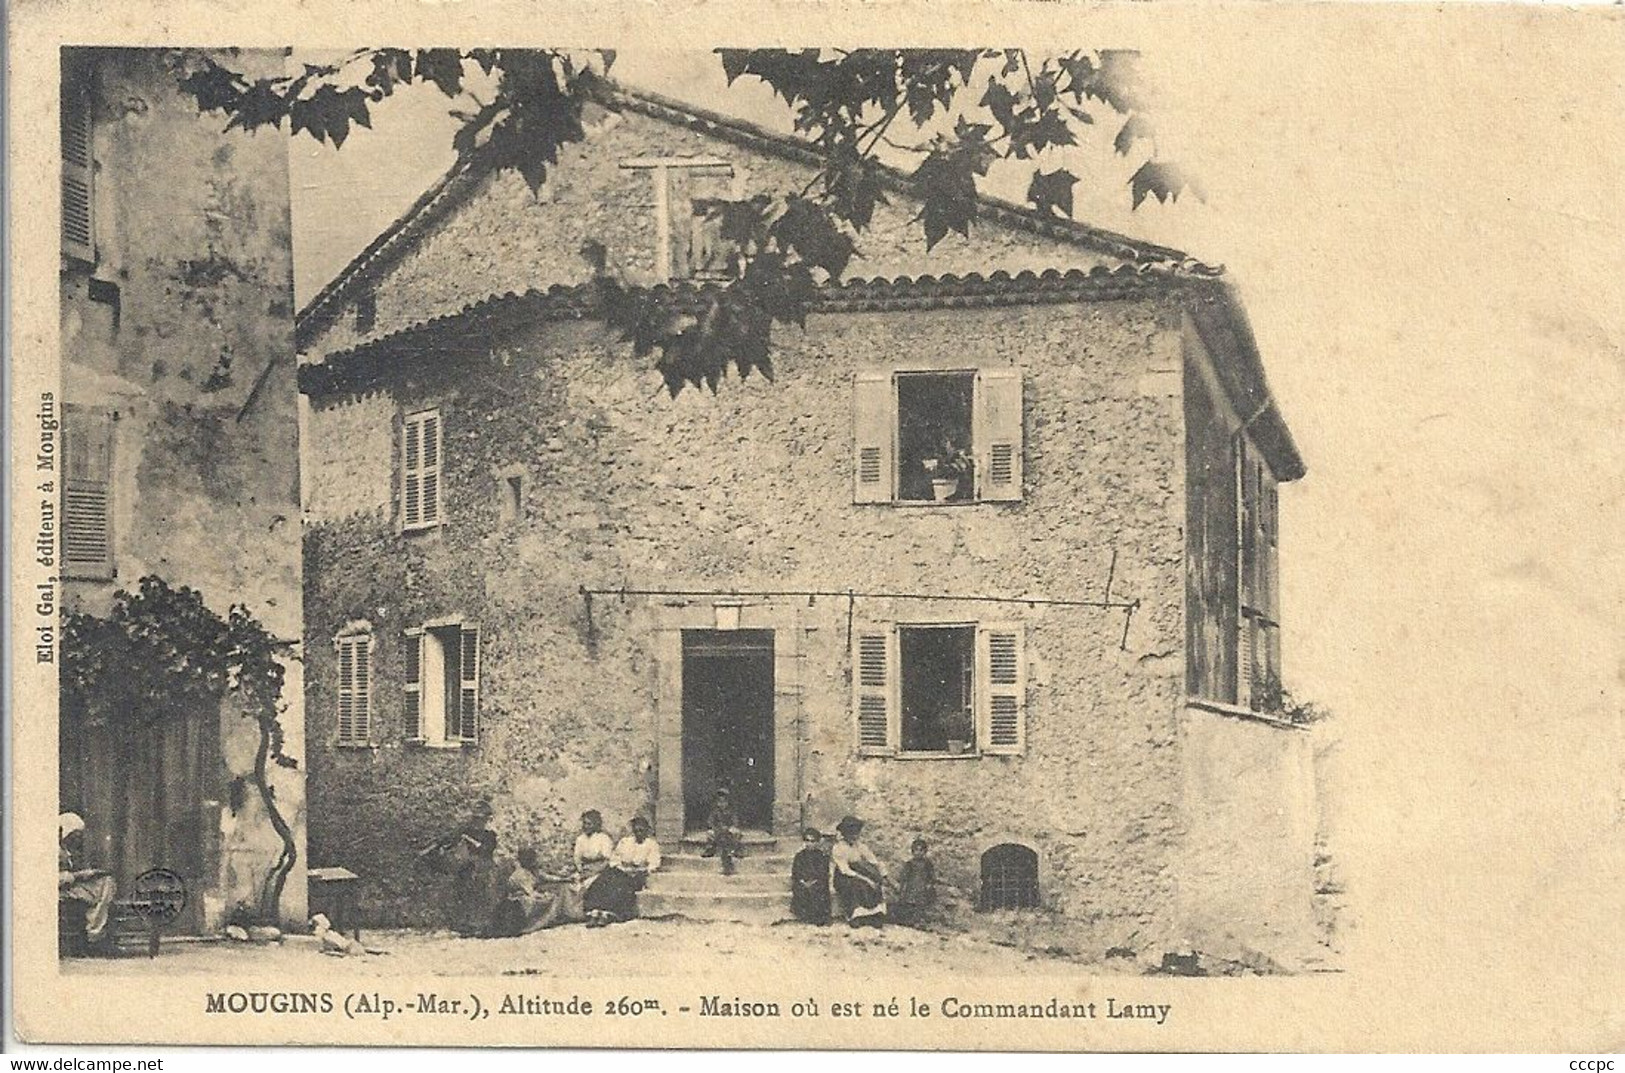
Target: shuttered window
910,674
442,685
1258,644
1000,668
355,689
420,469
87,494
78,170
900,454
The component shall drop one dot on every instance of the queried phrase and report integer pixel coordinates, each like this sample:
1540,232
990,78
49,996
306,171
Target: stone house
179,411
532,576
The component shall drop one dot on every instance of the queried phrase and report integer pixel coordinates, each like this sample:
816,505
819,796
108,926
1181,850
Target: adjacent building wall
188,343
752,489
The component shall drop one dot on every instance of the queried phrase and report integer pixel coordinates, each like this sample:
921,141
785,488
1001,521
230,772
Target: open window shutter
78,175
362,647
874,691
431,468
412,707
87,494
998,434
1246,661
874,427
1001,668
346,714
411,470
468,707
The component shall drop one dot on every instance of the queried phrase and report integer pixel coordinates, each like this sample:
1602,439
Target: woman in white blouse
613,895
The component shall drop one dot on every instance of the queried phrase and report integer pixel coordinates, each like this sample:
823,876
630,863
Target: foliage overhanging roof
1147,268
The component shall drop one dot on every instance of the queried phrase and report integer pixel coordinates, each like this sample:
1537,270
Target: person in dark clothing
809,880
725,842
468,855
916,886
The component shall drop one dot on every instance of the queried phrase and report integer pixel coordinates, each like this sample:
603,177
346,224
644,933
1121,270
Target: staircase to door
693,886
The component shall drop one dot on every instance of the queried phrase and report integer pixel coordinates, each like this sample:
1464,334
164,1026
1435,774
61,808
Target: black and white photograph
1102,526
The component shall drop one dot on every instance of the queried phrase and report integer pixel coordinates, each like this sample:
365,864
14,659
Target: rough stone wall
752,489
502,238
196,358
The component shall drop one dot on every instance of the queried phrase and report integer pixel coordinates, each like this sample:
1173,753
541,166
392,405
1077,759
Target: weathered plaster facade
177,339
752,490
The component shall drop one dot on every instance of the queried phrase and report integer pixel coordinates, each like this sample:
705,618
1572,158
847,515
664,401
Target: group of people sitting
492,899
829,876
848,869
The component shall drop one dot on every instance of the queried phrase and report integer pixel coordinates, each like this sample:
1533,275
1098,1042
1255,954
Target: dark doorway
728,725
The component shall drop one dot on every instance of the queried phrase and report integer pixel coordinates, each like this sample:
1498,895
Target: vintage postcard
884,526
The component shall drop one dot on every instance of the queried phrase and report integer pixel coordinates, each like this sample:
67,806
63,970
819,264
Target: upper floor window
78,163
442,679
354,651
420,470
87,494
927,436
939,689
689,193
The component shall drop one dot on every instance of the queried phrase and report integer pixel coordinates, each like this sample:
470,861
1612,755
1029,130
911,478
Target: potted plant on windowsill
947,472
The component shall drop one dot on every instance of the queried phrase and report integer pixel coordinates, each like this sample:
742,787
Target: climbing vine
162,653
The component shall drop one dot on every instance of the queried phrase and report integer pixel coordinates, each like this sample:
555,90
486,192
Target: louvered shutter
420,470
412,705
411,464
997,434
78,175
468,706
355,690
1247,661
431,468
1001,670
874,690
87,494
874,431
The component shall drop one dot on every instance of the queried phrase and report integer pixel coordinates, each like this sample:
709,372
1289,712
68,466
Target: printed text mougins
268,1002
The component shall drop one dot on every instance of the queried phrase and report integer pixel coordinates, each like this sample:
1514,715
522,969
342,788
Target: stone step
713,882
777,864
750,908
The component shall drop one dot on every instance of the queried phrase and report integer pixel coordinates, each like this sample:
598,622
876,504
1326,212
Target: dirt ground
641,947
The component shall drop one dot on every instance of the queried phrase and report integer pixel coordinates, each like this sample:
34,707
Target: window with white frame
937,436
354,651
442,680
420,470
939,689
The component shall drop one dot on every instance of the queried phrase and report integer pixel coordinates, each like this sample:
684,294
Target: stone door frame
670,620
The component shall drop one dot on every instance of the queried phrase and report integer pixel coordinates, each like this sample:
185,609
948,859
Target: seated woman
593,851
614,896
535,900
93,889
858,877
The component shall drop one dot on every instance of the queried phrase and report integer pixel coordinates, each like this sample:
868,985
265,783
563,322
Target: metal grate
1009,877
